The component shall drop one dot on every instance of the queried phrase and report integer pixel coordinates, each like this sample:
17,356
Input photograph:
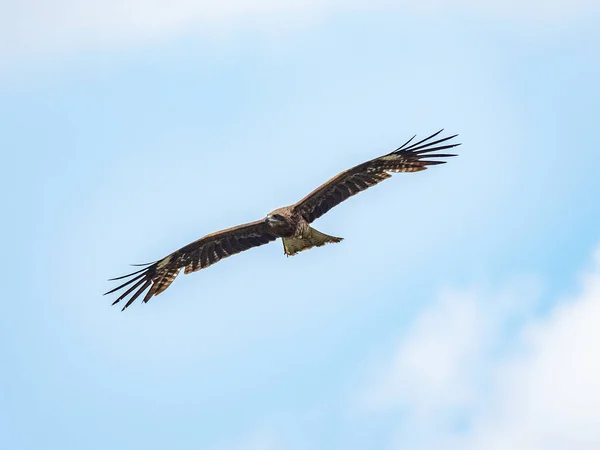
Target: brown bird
290,223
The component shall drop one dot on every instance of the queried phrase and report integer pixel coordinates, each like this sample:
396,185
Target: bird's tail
314,238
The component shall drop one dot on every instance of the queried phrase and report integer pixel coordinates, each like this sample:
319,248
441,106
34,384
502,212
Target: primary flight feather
290,223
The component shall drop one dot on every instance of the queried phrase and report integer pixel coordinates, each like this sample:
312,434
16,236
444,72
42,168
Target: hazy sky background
462,311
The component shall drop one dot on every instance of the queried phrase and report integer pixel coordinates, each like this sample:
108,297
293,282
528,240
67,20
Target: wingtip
436,155
404,145
425,145
143,264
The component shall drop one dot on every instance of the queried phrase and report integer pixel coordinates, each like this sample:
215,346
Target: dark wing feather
407,158
198,255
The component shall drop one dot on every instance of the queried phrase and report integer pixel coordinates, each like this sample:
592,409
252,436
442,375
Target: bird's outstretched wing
407,158
157,276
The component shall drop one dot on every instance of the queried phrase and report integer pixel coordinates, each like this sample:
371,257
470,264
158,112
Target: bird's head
275,219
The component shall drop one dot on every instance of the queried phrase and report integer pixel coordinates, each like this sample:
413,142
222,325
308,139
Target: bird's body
295,231
290,223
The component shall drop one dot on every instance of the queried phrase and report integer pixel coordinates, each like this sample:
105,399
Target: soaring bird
290,223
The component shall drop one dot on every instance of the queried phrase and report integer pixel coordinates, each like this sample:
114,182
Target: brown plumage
291,223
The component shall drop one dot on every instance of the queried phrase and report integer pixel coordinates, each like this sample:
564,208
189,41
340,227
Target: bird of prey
290,223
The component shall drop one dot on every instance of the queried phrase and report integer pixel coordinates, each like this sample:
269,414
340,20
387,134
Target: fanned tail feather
315,238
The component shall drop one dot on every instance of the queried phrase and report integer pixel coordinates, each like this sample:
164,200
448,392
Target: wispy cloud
487,371
43,28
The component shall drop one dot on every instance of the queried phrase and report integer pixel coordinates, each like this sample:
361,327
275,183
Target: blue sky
458,311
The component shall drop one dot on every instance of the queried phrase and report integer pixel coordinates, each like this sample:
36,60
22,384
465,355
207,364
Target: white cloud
48,27
484,371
